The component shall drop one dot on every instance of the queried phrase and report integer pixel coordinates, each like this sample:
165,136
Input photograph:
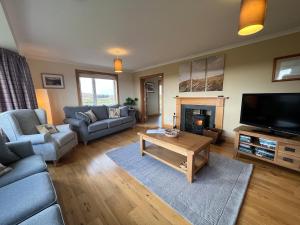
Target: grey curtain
16,86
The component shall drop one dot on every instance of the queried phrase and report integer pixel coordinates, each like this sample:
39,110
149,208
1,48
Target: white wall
247,69
68,96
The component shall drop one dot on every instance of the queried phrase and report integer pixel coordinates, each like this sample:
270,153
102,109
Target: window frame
95,74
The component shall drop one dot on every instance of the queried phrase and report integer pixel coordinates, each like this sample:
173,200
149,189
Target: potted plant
130,102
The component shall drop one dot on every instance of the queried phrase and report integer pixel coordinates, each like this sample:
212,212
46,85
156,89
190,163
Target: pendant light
252,16
118,64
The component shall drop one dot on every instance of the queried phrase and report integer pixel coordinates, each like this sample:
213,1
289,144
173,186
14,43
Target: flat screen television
275,111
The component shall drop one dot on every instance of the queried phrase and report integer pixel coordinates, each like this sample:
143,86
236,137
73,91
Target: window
97,88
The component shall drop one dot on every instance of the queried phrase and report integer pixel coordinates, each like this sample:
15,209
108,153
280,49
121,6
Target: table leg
207,153
142,145
190,167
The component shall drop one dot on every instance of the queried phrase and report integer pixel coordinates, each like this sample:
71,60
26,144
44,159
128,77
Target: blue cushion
98,125
28,120
114,122
100,112
71,110
126,119
124,111
64,137
24,168
50,216
6,156
24,198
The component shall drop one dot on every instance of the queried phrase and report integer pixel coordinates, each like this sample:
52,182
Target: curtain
16,86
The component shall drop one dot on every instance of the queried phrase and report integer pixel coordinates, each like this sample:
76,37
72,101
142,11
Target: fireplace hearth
196,118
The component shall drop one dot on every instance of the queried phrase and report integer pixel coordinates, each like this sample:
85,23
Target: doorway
152,110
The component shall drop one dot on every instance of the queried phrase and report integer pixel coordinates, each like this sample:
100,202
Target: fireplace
195,118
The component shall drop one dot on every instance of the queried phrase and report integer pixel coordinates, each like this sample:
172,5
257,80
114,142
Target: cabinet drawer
288,161
293,150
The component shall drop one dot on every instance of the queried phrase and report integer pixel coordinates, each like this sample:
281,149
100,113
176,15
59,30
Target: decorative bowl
172,132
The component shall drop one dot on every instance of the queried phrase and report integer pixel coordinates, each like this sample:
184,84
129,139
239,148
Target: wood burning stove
196,120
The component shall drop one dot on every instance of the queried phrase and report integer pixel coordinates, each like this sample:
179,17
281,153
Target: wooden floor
92,190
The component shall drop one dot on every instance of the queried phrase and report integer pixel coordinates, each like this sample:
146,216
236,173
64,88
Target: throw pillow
3,136
114,113
83,116
91,115
46,128
4,169
6,155
123,111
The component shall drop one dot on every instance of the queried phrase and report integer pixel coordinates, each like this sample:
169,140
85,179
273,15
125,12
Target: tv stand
274,133
272,148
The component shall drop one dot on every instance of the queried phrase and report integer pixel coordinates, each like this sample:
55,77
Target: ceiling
150,32
6,38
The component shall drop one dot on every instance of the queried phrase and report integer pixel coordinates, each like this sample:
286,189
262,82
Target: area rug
214,198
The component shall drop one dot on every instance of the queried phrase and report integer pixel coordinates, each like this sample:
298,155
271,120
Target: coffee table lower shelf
173,159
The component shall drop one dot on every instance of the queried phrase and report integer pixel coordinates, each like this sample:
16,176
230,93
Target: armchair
20,125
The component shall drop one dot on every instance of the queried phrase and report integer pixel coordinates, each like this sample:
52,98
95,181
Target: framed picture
286,68
215,73
150,87
53,80
198,75
185,77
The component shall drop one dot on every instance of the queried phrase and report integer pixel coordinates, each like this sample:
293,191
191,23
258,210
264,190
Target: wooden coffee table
189,149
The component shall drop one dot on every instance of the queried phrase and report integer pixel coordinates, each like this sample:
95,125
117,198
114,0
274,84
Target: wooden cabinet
283,151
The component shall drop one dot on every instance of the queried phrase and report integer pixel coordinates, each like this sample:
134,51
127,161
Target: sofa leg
85,143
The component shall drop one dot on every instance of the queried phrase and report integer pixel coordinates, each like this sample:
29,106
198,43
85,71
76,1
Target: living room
81,83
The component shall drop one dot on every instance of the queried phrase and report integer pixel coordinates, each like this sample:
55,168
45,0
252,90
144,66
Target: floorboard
93,190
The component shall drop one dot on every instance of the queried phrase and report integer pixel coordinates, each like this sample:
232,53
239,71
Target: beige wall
68,96
247,69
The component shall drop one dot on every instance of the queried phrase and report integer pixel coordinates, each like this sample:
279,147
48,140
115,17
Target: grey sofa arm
21,148
80,127
35,138
74,122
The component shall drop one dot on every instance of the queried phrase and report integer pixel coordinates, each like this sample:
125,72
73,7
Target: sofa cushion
4,169
28,121
113,122
64,137
71,110
126,119
114,113
124,111
50,216
23,168
91,115
100,112
99,125
24,198
84,117
6,155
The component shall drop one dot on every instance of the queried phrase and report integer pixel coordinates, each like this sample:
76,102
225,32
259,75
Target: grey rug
215,197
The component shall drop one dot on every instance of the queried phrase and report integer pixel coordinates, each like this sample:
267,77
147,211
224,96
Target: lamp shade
252,16
118,65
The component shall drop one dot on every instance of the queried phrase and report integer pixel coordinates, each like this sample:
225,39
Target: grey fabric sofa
27,193
102,127
20,125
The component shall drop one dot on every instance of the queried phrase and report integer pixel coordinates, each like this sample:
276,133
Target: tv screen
279,112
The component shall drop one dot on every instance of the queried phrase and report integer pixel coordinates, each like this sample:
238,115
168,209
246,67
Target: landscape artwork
185,77
215,73
53,80
198,75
